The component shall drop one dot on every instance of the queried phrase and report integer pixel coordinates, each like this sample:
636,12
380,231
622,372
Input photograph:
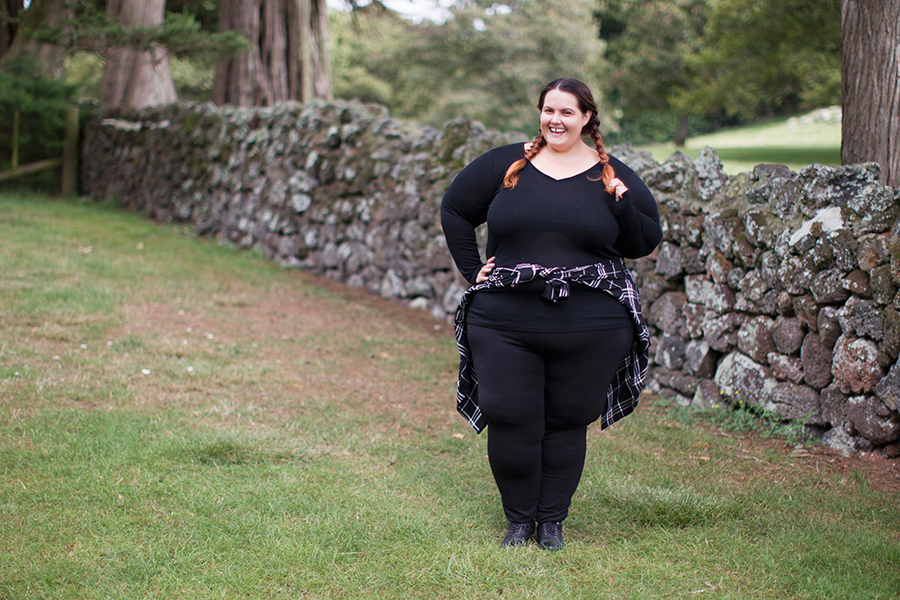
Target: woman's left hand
485,271
616,187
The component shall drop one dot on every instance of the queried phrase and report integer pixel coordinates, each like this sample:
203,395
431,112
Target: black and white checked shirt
610,275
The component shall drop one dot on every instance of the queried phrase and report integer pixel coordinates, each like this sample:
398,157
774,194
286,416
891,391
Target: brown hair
585,104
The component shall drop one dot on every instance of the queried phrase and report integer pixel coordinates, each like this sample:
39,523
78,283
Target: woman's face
562,120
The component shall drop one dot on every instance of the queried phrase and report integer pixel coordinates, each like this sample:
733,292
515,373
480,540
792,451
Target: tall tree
24,41
870,90
9,14
137,78
288,59
647,45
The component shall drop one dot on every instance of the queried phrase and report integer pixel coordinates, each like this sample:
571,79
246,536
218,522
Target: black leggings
538,393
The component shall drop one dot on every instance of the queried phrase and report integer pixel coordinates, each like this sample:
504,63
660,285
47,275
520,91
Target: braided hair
585,104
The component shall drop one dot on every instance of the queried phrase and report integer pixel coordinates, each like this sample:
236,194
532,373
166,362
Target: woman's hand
616,187
484,271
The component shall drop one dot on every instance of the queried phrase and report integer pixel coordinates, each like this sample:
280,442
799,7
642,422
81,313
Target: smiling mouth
557,130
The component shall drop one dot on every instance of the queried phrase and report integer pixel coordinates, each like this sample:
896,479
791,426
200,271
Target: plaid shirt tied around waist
611,276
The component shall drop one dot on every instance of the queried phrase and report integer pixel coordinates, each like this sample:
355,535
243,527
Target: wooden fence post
15,141
70,154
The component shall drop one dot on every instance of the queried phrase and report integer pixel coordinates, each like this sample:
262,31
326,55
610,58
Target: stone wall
774,288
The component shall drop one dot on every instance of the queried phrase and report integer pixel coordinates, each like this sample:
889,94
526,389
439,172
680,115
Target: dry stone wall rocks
798,298
771,288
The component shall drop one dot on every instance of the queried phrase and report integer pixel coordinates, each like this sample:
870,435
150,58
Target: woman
552,324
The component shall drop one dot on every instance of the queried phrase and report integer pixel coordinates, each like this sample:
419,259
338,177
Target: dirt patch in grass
314,338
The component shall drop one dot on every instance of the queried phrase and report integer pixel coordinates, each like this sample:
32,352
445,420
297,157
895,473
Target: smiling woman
551,357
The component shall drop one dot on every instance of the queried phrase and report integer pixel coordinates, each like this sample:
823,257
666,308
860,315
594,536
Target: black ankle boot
549,536
518,534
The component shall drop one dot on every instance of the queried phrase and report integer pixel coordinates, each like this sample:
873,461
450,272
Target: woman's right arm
465,207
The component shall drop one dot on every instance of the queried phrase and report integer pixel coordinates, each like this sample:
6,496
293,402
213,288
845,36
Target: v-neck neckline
563,178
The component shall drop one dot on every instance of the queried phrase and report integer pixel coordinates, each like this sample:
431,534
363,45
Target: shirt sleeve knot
556,287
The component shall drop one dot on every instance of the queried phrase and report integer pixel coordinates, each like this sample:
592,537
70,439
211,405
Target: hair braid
608,172
511,179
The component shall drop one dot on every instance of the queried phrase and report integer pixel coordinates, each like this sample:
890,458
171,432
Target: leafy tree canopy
766,57
488,61
647,46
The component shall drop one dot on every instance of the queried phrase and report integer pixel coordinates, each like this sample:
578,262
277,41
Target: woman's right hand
617,188
485,271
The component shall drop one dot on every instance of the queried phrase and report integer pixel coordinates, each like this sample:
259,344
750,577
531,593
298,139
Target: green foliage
359,43
766,57
41,103
487,62
205,12
193,78
646,47
724,60
745,417
84,72
90,29
182,35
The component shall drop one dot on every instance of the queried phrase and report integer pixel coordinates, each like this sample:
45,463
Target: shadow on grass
665,507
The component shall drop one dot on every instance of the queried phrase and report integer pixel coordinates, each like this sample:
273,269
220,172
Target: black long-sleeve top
568,222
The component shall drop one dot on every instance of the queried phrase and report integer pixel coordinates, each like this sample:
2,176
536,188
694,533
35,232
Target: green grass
309,449
774,141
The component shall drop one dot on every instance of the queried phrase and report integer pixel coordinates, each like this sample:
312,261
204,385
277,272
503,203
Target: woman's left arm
637,214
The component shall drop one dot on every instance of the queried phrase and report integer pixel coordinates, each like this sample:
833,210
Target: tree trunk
39,12
870,85
241,79
681,133
320,62
9,9
289,58
132,78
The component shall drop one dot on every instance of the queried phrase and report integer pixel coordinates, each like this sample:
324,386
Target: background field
782,141
180,419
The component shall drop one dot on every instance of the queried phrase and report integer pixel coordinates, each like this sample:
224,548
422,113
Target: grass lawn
778,141
179,419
